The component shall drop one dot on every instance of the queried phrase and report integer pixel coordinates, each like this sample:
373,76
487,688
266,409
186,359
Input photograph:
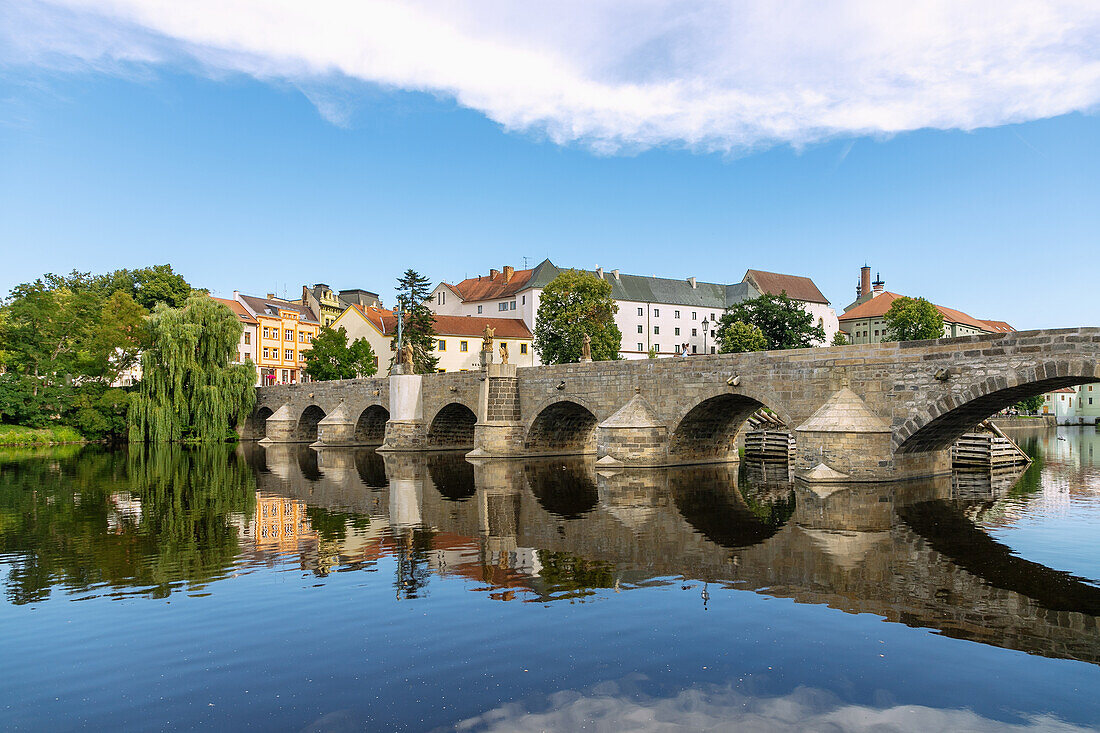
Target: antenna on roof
525,258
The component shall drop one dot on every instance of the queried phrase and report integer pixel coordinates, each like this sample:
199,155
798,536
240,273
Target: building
658,314
864,320
286,331
328,305
1078,405
458,343
246,349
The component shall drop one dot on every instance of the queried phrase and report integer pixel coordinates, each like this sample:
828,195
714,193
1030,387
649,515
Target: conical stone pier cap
844,412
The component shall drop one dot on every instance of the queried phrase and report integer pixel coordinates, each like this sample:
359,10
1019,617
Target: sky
259,145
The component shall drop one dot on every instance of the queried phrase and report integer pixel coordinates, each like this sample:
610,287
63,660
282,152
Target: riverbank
15,435
1025,421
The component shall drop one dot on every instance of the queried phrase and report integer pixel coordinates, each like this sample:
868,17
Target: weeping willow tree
189,388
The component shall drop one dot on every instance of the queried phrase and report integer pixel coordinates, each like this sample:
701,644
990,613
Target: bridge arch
306,430
706,431
370,428
563,426
948,417
452,427
255,427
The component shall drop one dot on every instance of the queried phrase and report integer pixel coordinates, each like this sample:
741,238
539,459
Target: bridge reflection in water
552,528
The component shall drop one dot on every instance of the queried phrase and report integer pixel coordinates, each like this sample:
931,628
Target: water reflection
541,530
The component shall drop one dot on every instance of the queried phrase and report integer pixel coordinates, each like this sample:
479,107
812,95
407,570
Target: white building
655,313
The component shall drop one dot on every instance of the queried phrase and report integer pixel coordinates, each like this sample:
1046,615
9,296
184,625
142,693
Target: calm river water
284,589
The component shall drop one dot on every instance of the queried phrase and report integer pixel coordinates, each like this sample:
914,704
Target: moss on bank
19,435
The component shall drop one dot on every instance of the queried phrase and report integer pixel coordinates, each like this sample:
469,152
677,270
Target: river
282,588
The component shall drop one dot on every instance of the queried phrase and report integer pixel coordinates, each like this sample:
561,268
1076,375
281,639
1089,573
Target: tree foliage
418,327
189,388
840,339
784,322
149,286
1030,404
740,337
333,358
573,304
912,319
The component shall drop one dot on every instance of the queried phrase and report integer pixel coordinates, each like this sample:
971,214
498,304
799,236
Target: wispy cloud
704,74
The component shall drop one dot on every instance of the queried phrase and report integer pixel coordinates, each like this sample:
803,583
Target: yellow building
286,330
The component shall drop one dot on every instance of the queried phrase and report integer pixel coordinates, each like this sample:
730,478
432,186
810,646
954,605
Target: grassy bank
18,435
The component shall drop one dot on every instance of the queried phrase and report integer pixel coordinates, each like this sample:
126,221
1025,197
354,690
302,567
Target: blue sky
264,180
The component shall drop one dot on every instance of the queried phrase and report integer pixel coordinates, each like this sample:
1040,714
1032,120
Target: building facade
1078,405
246,348
328,305
286,331
659,315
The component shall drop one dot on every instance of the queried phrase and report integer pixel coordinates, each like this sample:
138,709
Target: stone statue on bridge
503,353
407,358
487,338
586,349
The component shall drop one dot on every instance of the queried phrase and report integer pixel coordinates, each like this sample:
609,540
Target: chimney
615,273
865,280
508,272
692,281
493,274
599,272
879,283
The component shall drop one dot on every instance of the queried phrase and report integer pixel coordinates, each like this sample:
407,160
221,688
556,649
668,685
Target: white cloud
706,74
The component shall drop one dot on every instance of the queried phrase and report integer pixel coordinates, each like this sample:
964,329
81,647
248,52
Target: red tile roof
877,306
237,308
1067,390
488,287
797,287
997,326
508,328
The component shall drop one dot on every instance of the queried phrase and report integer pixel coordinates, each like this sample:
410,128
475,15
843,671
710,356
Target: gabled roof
272,306
877,306
997,326
237,308
796,287
507,328
493,286
1064,390
383,320
643,289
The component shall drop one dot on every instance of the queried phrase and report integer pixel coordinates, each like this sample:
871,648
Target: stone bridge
858,413
903,551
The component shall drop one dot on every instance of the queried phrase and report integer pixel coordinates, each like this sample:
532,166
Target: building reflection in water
556,528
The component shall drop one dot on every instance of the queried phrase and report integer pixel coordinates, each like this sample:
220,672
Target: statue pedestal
486,358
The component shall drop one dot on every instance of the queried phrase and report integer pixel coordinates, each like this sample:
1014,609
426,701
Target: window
695,332
512,305
656,312
267,332
712,318
441,298
441,345
641,312
656,329
248,356
693,316
267,353
1090,400
289,335
479,310
677,331
523,299
639,328
247,337
523,350
656,348
463,345
1090,388
876,332
641,346
286,375
309,338
502,306
694,349
301,337
712,349
675,314
288,355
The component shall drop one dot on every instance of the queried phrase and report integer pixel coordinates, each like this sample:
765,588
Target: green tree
413,291
912,319
149,286
331,357
573,304
189,388
784,322
740,337
840,339
1031,404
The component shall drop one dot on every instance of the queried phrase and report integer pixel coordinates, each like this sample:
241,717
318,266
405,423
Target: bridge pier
633,436
337,428
282,426
405,430
499,432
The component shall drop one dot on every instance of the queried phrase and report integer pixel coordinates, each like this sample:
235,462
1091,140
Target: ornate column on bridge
499,431
405,430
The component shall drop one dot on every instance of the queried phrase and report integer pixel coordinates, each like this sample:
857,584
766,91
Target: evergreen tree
784,322
413,291
840,339
573,304
331,357
189,388
912,319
